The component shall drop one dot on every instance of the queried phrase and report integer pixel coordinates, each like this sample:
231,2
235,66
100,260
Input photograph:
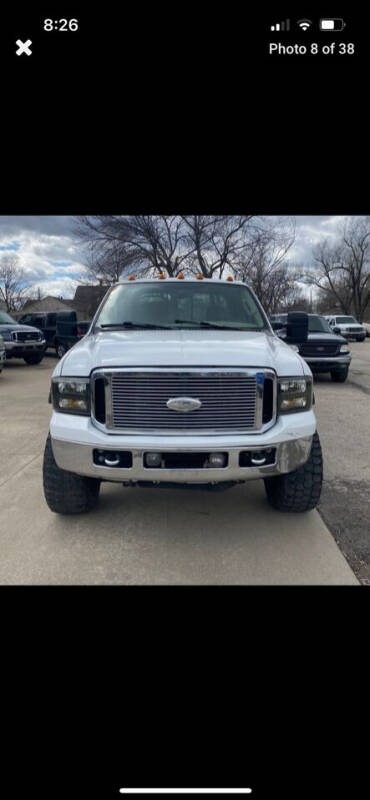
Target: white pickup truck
183,382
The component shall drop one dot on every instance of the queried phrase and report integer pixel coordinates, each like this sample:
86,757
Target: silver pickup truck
183,382
21,341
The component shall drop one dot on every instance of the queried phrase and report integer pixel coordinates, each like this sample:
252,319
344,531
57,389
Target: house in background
87,299
85,303
48,303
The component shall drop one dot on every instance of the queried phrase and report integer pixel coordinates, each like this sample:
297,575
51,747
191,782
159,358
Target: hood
346,325
7,327
326,338
181,348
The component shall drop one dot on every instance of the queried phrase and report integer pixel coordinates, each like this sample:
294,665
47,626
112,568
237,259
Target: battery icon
335,24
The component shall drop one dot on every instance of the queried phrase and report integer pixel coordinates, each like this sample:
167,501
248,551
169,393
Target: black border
231,686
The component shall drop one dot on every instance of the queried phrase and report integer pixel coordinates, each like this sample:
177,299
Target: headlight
344,349
6,336
71,395
294,394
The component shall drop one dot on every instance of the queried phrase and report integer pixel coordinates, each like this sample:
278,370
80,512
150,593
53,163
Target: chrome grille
135,400
26,336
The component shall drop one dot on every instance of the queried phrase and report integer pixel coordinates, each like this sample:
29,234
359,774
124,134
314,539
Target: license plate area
185,461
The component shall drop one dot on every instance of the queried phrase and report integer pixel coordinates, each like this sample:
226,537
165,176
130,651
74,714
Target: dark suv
46,322
324,350
60,328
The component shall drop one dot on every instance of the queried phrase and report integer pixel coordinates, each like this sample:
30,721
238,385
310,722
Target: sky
52,258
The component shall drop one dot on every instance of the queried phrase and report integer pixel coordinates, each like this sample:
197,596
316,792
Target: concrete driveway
143,536
343,416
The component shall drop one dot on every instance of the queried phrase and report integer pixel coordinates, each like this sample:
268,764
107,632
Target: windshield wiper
133,325
204,324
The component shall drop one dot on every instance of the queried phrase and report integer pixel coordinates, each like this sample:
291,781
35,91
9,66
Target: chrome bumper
78,458
331,361
25,346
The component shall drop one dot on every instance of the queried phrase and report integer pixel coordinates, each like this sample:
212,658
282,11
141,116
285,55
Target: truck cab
183,382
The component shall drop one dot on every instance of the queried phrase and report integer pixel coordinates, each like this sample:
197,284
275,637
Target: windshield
318,325
345,320
181,305
6,318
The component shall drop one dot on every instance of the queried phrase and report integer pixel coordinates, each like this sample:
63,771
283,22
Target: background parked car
50,323
68,332
324,351
21,341
2,353
347,326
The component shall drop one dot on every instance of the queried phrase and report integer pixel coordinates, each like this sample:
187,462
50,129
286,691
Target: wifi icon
304,24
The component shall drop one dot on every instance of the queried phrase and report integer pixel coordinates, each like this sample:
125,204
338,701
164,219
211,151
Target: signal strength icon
281,26
304,24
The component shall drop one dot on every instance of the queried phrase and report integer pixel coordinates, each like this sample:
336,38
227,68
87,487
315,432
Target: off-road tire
34,358
339,376
361,339
300,490
65,492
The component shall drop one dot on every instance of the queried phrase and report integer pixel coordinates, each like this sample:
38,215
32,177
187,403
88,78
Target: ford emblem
183,404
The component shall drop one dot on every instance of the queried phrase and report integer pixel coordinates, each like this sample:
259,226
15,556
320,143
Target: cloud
10,246
51,256
47,250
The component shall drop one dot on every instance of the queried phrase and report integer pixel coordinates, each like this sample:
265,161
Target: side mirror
297,327
336,329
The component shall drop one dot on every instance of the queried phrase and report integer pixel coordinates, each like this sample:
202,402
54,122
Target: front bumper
353,334
75,438
19,349
328,363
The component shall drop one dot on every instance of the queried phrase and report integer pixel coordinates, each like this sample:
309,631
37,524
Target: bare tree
342,269
296,300
216,242
34,294
170,244
137,243
13,284
263,262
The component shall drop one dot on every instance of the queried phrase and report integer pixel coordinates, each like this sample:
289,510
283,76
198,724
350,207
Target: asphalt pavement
150,536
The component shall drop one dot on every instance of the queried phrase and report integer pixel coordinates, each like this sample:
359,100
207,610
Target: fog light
217,459
153,459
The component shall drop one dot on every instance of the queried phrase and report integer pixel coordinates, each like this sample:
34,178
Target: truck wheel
65,492
60,350
339,376
299,490
34,358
